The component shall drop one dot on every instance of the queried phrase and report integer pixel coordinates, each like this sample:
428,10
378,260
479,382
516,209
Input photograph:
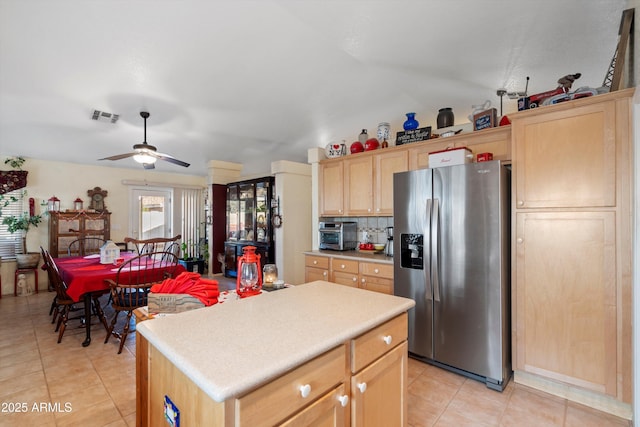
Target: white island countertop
229,349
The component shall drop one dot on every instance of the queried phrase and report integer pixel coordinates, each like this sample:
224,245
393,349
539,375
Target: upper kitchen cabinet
331,182
496,141
572,249
360,185
386,164
566,156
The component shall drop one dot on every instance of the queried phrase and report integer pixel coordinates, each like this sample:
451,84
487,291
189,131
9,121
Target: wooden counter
215,363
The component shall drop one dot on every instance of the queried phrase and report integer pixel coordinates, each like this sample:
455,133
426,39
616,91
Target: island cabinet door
277,401
331,410
378,392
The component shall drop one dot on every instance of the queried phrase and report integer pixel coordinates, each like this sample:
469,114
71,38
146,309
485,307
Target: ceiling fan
145,153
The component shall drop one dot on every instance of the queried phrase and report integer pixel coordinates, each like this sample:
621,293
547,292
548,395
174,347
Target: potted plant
20,223
194,255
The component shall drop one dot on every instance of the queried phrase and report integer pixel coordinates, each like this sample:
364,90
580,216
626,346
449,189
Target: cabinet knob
519,240
355,279
342,266
362,387
344,400
340,210
315,262
387,339
305,390
369,210
363,280
375,270
324,273
378,210
520,202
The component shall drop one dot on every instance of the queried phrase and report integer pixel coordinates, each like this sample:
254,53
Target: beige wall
68,181
293,238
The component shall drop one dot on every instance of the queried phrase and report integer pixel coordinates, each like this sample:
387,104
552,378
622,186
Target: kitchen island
309,352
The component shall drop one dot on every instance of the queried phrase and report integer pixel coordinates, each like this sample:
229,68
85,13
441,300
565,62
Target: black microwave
338,236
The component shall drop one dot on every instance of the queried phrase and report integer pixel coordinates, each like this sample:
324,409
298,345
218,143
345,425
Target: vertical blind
193,221
11,244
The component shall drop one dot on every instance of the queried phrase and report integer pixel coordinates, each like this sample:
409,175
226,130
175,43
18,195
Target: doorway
151,213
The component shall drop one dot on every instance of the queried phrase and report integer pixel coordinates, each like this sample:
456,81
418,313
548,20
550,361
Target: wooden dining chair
85,246
156,244
64,305
131,285
45,266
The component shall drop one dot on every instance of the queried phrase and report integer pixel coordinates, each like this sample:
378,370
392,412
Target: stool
33,270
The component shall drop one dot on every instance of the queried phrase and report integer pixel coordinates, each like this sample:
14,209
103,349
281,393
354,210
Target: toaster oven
338,236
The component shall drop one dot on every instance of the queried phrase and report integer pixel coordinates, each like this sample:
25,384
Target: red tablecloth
86,274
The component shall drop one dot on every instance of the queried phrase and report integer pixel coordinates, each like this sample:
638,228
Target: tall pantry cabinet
572,201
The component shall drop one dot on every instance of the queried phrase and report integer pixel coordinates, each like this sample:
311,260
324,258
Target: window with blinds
193,220
11,244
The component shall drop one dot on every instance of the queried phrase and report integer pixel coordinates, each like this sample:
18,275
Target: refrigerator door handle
435,245
428,290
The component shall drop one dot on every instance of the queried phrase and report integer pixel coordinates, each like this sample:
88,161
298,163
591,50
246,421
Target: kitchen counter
355,254
230,349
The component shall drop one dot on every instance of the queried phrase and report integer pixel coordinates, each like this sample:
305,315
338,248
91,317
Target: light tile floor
43,383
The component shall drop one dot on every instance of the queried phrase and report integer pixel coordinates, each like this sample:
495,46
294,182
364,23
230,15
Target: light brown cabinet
377,391
316,268
286,395
385,165
345,272
360,382
567,158
362,184
331,183
65,227
373,276
358,185
572,246
376,277
495,140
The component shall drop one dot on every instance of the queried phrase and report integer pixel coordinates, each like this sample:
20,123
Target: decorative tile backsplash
374,226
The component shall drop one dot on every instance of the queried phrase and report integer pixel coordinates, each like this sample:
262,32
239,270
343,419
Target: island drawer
376,269
344,265
317,261
273,402
370,346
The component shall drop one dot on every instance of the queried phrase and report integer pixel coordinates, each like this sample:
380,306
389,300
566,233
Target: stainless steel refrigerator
452,256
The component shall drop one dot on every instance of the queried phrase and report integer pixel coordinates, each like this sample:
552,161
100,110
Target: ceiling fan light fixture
144,158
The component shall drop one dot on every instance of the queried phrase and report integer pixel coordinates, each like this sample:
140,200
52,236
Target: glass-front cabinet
249,221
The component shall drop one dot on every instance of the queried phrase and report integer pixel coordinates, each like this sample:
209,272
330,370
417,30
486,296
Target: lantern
269,274
77,204
249,281
53,204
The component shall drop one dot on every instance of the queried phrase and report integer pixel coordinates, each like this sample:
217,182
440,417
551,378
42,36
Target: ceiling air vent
103,116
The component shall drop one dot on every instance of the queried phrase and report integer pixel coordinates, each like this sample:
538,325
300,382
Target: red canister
484,157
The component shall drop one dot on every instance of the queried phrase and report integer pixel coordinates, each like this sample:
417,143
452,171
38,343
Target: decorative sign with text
413,135
485,119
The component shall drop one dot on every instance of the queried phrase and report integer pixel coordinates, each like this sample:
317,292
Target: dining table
86,275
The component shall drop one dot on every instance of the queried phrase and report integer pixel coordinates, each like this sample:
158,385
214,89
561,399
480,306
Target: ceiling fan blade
119,156
148,165
171,159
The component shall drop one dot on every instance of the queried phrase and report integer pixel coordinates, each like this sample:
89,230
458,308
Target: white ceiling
257,81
